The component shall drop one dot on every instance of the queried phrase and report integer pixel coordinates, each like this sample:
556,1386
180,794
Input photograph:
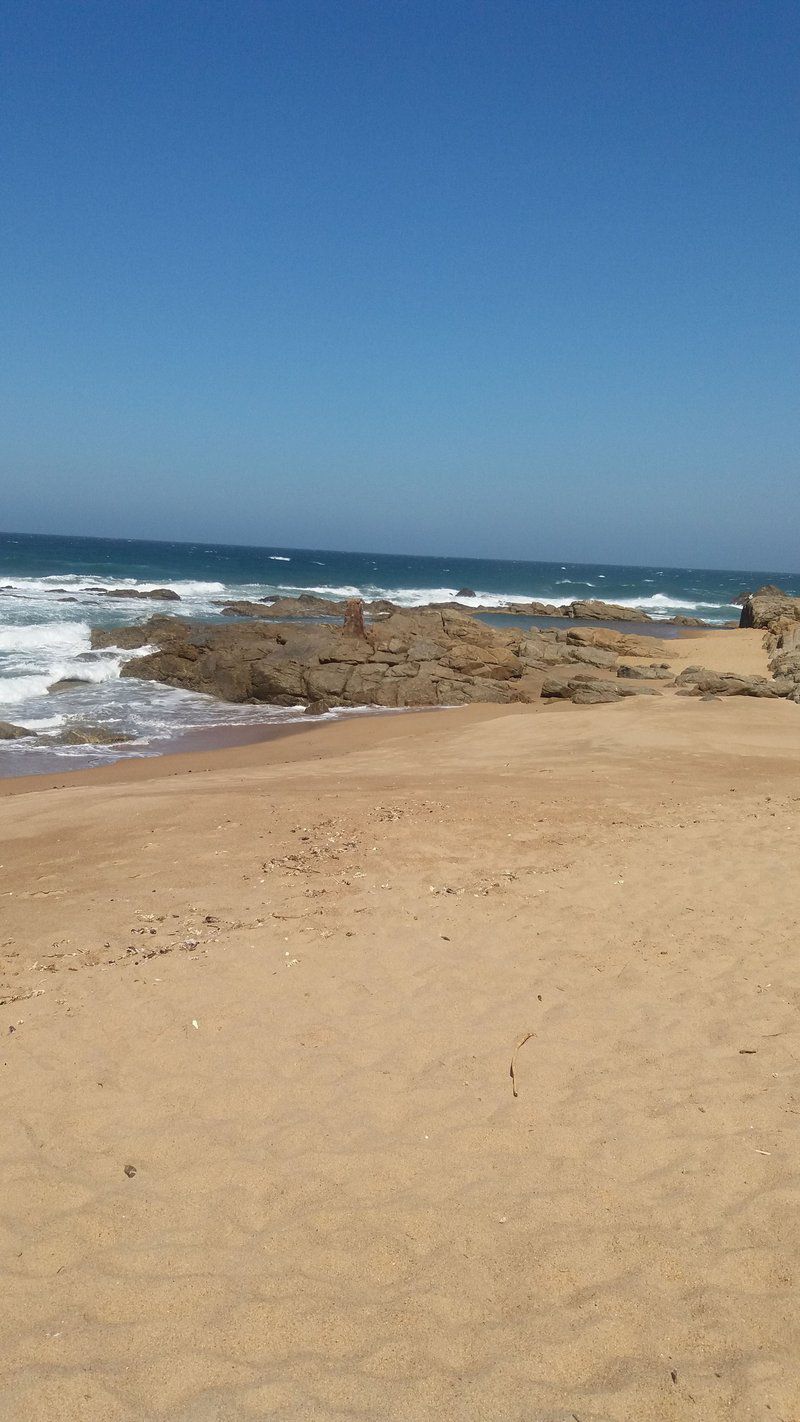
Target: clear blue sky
505,279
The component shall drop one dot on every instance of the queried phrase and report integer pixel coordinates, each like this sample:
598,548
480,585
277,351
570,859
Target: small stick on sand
520,1043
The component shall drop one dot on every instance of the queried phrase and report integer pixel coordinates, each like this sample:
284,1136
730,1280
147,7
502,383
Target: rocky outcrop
304,605
310,605
10,732
653,672
409,658
146,594
770,608
766,590
604,612
128,639
589,691
354,617
699,681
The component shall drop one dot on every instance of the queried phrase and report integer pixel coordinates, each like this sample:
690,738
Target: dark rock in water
317,708
10,732
69,683
243,609
154,594
67,599
680,620
466,592
128,638
304,605
78,734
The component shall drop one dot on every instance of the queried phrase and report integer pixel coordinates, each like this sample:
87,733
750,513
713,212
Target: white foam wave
89,584
34,655
280,558
662,603
15,690
656,603
44,639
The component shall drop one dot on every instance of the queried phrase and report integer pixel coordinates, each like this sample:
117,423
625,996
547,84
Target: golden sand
261,1154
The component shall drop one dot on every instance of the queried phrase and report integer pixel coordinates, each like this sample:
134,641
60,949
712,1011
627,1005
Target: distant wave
87,583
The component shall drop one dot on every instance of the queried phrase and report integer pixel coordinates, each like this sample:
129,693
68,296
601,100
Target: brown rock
646,673
354,617
771,609
153,594
68,683
10,732
79,734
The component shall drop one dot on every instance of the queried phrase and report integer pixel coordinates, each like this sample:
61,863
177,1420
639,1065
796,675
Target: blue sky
503,279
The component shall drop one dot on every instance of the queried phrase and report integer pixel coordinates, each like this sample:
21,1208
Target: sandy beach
262,1157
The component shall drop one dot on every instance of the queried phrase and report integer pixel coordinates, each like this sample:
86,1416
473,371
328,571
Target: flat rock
140,594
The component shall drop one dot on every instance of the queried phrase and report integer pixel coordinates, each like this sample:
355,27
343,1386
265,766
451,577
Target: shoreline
228,745
336,736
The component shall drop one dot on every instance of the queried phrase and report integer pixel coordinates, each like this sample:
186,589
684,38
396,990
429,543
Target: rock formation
10,732
78,734
354,617
409,658
309,605
151,594
770,608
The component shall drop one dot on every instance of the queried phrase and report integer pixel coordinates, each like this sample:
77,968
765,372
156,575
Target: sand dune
283,986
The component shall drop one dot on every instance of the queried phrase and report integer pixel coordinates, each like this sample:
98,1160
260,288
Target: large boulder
699,681
78,734
10,732
595,610
653,672
770,608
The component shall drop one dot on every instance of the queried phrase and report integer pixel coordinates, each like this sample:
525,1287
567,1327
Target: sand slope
339,1210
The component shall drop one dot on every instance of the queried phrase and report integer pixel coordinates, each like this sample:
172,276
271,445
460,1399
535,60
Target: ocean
48,606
